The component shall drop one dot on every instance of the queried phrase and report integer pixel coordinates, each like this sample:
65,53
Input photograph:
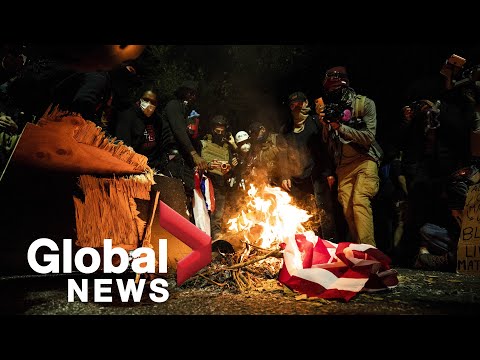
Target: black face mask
343,95
218,138
262,137
334,96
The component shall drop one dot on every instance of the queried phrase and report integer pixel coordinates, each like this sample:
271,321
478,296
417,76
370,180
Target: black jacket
142,133
174,129
307,154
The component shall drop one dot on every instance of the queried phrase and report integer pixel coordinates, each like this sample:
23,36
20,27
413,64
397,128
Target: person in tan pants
349,127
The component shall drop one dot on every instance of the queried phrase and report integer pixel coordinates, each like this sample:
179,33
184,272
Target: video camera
334,112
469,83
426,110
341,112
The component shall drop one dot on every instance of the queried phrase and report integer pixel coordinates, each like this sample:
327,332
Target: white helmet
241,136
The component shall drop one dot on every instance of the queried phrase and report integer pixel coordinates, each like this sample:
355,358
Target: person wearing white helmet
244,158
242,139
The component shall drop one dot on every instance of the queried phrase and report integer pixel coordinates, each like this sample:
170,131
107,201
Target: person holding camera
307,168
436,136
217,148
350,123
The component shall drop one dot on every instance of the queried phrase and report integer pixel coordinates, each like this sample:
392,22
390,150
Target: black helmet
255,127
219,120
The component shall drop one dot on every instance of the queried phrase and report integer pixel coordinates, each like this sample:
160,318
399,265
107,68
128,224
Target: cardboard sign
468,251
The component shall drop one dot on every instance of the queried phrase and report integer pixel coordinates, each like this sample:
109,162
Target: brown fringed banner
66,142
109,211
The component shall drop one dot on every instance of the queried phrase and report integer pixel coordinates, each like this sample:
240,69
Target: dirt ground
418,293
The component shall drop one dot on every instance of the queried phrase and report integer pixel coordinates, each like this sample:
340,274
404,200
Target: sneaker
432,262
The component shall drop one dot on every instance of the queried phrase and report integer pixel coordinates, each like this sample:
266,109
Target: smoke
242,82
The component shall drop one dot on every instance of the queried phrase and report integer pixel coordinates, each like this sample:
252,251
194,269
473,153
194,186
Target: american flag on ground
320,268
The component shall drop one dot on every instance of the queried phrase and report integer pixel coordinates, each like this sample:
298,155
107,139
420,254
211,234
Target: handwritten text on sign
468,252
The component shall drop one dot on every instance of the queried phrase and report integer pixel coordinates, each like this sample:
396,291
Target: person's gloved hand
231,141
200,162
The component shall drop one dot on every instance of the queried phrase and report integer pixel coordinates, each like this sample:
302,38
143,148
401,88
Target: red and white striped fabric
320,268
199,207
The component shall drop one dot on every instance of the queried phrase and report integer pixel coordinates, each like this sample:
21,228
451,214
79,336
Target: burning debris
267,218
273,242
228,270
257,234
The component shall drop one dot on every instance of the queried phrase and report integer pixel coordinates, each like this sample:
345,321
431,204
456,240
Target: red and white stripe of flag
320,268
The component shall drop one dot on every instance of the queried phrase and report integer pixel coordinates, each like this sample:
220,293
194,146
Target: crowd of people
406,201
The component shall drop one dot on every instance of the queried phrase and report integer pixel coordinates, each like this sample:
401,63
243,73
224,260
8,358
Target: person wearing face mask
140,127
180,155
217,147
244,170
243,142
307,168
351,140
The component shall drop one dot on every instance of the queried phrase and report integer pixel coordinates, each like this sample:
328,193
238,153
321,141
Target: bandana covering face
299,118
147,107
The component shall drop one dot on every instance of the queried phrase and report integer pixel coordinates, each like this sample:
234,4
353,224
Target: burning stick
266,218
241,280
274,253
210,280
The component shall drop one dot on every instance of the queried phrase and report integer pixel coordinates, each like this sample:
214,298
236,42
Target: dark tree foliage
244,82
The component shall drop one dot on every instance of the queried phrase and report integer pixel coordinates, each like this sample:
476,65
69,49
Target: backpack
359,112
359,109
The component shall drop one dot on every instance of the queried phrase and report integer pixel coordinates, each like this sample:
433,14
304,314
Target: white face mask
147,107
245,147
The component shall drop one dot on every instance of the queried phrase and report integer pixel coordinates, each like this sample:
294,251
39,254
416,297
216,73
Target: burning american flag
320,268
311,265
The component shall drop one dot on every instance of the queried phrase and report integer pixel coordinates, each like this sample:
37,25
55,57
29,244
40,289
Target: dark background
252,82
390,74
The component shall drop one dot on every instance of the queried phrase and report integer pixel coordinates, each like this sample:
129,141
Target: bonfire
263,222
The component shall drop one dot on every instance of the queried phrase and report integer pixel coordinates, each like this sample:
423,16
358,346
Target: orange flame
268,218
